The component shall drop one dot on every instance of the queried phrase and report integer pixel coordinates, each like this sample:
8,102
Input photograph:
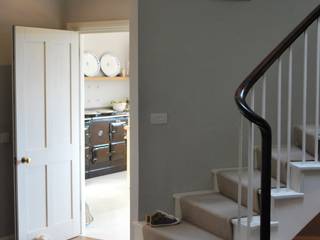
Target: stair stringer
240,231
295,214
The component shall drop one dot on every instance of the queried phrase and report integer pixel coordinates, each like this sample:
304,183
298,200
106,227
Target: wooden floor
307,238
311,231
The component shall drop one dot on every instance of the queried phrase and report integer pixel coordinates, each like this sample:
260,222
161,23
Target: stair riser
206,221
229,188
274,163
310,140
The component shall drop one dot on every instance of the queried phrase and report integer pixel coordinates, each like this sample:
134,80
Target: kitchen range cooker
105,142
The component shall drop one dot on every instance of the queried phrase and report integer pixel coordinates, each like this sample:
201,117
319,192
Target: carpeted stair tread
182,231
212,212
295,156
228,185
310,139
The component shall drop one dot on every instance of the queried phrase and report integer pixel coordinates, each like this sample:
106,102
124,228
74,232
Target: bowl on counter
119,106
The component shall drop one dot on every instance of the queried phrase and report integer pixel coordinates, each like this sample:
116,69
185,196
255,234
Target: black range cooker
105,143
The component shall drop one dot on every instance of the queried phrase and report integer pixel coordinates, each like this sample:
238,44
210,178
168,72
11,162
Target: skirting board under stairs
137,230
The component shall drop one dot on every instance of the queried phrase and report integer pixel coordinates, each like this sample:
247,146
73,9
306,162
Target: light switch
4,137
159,118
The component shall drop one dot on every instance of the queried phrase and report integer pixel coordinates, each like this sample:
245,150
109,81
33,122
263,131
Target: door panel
38,200
59,97
61,206
47,127
34,119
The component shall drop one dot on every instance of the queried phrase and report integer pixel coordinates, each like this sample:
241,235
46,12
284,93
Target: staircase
274,191
215,214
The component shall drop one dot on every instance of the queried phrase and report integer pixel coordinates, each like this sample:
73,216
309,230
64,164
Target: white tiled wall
101,93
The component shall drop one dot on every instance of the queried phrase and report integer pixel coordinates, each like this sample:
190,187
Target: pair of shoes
161,219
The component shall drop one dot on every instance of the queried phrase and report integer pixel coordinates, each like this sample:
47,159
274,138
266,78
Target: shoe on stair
161,219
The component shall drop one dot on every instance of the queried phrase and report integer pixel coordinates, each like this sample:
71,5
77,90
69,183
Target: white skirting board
137,230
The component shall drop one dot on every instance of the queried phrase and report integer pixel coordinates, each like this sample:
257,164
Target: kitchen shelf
103,78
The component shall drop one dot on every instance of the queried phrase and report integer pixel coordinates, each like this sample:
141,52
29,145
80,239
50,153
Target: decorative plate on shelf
110,65
91,65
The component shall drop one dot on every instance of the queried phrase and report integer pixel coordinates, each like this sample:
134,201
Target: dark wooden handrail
265,129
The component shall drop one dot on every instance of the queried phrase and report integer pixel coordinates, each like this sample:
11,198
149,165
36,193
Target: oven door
99,133
100,157
118,155
118,131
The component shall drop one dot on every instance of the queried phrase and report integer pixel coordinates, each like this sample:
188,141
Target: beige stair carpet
228,186
295,156
211,212
310,137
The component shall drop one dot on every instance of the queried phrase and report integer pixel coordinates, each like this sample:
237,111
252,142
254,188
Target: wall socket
159,118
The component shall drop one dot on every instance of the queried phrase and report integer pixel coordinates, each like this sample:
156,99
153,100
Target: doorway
73,213
106,71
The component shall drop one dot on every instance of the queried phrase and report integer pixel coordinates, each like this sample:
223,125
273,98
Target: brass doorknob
26,160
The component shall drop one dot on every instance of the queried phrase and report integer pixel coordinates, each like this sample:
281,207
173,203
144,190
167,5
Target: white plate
91,65
110,65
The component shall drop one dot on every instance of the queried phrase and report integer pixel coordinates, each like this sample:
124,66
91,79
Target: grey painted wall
193,55
33,13
96,10
6,168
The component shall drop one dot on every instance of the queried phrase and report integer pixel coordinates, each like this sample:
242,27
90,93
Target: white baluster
250,167
305,79
289,114
316,143
279,122
240,165
264,96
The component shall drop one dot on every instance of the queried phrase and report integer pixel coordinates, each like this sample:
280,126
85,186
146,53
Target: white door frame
117,26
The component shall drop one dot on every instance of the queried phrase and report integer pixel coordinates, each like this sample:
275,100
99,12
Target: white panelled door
47,129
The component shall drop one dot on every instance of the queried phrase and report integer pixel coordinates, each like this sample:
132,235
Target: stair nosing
306,166
255,223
